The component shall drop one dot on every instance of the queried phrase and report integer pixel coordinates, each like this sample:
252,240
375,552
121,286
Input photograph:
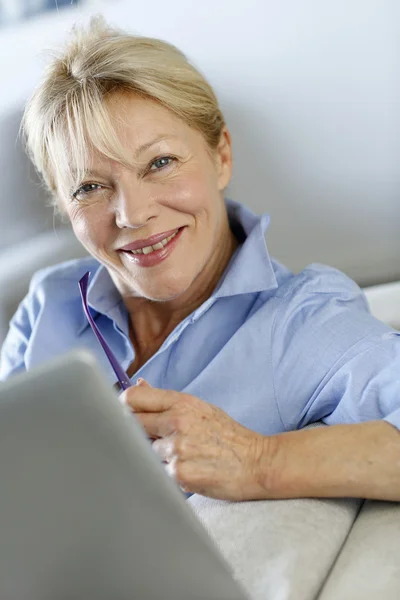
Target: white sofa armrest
384,302
368,566
278,548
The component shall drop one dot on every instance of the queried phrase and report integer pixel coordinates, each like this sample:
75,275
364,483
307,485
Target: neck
151,322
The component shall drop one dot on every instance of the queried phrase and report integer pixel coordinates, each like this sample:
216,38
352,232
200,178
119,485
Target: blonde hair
67,114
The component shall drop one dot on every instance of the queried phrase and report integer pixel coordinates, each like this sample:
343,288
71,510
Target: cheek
192,193
90,226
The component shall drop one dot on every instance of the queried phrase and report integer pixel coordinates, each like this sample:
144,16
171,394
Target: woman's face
125,216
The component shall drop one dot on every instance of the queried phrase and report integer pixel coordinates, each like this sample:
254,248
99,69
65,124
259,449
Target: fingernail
139,380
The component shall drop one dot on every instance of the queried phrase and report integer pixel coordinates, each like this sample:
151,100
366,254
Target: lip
155,257
154,239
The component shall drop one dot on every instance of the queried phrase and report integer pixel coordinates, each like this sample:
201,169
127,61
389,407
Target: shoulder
66,273
321,307
320,281
49,312
319,290
56,288
317,287
322,317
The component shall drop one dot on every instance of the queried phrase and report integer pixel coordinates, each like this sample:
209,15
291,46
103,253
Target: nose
133,205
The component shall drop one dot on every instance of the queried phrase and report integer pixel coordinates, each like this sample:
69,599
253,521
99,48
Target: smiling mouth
159,246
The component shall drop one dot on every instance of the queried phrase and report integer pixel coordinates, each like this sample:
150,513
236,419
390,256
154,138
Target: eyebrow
159,138
138,151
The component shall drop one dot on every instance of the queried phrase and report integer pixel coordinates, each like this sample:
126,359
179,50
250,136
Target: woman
230,352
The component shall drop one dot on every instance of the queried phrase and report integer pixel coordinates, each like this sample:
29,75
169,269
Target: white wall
311,92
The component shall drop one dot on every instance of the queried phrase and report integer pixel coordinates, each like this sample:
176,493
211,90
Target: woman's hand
204,449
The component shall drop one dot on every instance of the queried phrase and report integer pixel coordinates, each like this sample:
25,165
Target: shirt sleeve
13,350
332,360
15,345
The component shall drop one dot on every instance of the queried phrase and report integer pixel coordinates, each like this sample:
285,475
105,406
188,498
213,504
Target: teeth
158,246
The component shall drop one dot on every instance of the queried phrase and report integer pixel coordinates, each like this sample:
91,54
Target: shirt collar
249,270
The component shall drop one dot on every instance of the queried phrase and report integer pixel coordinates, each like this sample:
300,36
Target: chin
166,291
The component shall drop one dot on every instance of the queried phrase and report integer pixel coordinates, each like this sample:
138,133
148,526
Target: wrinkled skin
204,450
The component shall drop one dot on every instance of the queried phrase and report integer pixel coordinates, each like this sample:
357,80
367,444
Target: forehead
137,121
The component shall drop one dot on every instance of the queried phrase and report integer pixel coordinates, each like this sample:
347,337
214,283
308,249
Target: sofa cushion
278,549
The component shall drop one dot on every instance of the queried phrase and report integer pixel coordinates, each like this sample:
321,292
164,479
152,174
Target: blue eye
85,189
160,163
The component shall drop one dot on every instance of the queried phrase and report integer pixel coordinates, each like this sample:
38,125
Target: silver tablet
86,508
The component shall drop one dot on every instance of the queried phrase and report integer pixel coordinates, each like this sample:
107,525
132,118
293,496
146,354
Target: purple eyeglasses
118,370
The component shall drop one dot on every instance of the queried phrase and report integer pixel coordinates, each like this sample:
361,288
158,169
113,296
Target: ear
224,159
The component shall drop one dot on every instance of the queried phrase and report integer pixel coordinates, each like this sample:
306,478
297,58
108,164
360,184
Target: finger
175,470
165,448
180,446
143,383
171,467
156,425
143,398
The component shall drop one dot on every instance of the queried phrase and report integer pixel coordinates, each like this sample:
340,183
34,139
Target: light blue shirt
274,350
